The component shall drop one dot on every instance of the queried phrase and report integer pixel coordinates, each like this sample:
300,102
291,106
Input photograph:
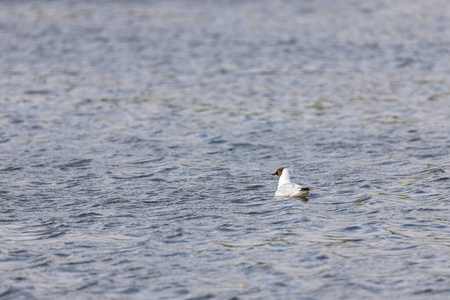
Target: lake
138,139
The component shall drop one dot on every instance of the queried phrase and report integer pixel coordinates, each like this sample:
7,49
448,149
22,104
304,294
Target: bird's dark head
279,171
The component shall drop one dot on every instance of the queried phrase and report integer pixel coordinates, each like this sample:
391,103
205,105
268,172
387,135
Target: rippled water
138,139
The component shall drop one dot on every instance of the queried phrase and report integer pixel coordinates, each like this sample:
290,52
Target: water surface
138,139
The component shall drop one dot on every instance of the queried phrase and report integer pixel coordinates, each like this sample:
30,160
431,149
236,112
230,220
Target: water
138,140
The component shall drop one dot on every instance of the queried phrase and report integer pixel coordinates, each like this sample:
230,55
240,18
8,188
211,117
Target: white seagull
288,189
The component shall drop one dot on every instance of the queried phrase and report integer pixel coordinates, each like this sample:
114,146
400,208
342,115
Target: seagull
288,189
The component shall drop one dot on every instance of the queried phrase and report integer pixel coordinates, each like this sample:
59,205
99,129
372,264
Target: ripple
128,177
9,169
76,164
38,92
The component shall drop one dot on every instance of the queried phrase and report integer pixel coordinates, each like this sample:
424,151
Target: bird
288,189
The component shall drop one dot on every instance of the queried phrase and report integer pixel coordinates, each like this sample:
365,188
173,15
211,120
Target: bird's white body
288,189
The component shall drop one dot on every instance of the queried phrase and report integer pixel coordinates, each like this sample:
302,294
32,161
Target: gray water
138,139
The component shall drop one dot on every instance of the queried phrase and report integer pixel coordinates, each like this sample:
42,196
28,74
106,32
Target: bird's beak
274,173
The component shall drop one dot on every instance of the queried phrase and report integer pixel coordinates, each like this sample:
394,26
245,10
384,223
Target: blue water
138,139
